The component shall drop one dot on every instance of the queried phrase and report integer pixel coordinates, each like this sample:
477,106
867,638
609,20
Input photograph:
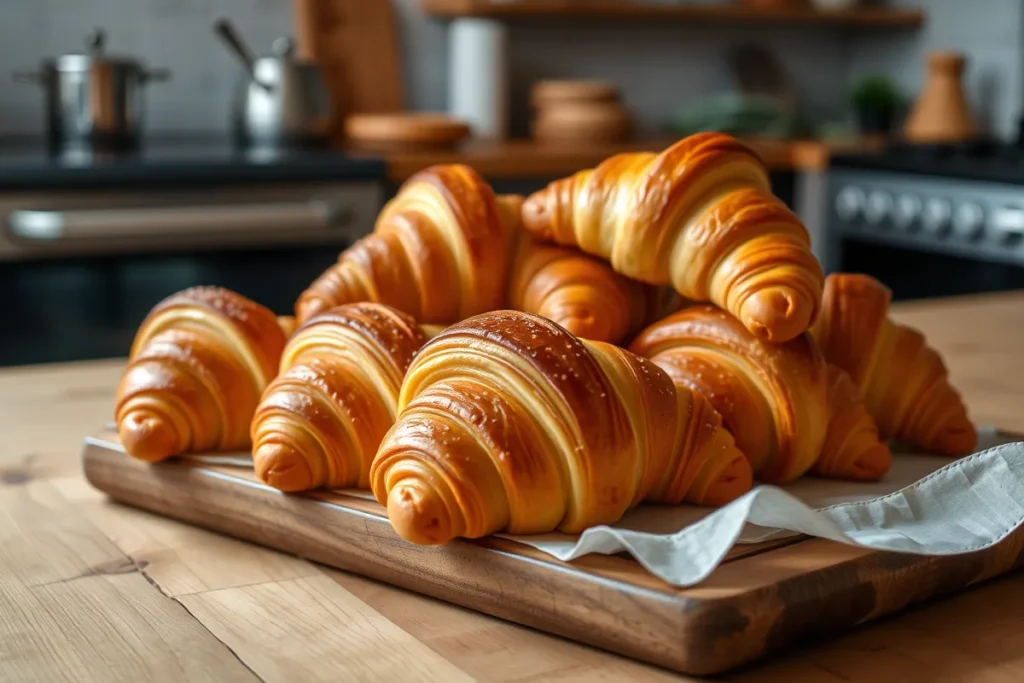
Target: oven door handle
175,221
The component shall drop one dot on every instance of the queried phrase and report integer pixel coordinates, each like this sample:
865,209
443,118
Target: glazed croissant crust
583,294
439,252
508,422
904,383
699,215
320,422
789,412
197,367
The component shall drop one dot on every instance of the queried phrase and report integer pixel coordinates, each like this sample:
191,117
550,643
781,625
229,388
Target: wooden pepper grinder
941,113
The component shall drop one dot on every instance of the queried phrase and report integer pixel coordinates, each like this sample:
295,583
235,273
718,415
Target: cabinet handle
173,221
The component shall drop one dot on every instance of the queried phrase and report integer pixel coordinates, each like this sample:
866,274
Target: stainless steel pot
93,98
280,100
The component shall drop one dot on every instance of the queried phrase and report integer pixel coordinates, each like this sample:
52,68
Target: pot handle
156,75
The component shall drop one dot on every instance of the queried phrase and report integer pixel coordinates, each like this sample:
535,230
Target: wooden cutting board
763,599
356,43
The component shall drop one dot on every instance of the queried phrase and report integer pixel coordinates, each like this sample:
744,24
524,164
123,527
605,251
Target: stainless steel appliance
94,98
280,100
89,243
935,220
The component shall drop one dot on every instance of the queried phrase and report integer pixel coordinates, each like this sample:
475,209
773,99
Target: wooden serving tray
764,598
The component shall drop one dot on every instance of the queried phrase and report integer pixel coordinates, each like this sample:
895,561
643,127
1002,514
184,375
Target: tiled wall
660,68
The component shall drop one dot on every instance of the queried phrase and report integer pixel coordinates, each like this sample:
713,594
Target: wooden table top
90,590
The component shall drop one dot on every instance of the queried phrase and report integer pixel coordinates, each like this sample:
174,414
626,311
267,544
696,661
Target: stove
951,216
90,240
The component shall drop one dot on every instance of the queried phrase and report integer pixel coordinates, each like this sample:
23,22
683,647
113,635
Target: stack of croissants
653,329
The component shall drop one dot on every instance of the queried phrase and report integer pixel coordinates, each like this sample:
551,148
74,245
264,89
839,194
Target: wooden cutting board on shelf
763,599
356,43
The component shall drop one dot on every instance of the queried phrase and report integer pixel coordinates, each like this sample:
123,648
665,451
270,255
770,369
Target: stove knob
936,216
878,207
849,202
969,220
908,210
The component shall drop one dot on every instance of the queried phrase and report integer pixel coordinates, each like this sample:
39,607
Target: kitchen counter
31,165
90,590
526,159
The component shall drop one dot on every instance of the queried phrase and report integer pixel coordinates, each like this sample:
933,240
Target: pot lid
95,53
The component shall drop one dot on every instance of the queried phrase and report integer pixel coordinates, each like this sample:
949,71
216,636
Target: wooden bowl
551,93
404,130
581,122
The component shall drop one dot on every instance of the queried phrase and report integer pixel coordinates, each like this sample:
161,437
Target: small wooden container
572,112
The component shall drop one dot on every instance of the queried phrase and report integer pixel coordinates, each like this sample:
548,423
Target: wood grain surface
764,600
357,46
44,412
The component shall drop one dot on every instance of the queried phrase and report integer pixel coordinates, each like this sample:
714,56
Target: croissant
320,422
904,382
852,449
772,397
583,294
508,422
197,367
700,216
440,251
288,324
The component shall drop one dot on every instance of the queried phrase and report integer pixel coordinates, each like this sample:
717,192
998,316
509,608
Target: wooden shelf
528,159
879,17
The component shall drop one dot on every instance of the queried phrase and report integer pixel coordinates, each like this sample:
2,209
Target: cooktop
984,160
32,164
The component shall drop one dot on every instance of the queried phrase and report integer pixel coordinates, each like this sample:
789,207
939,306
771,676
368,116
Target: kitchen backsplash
659,67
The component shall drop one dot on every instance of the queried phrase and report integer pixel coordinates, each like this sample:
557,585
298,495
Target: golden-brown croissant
320,422
508,422
903,381
853,448
772,397
699,215
583,294
440,251
288,324
197,367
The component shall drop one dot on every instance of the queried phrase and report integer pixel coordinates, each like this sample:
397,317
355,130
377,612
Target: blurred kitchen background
150,145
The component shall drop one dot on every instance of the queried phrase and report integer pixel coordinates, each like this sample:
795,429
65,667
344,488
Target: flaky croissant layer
903,381
508,422
439,252
772,397
582,293
700,216
197,367
320,422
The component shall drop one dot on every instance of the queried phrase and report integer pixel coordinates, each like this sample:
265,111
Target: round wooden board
403,130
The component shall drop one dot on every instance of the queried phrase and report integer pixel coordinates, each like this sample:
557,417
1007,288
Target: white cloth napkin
927,505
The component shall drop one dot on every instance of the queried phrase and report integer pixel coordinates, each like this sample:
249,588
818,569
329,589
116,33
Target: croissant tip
419,516
148,437
282,467
776,315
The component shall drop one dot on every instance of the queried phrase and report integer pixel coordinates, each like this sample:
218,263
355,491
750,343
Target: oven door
80,272
926,237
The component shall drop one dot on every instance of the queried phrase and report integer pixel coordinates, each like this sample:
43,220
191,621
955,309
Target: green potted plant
875,101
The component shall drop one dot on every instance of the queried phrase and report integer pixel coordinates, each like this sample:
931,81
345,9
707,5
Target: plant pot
875,120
